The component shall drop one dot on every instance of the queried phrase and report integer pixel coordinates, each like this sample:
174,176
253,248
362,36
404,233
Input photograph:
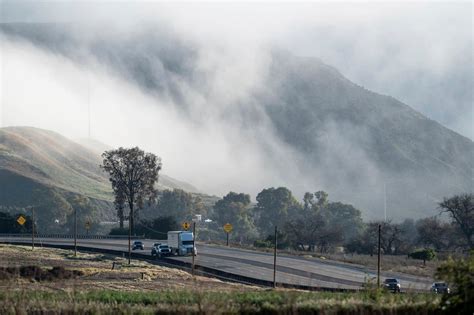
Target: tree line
315,223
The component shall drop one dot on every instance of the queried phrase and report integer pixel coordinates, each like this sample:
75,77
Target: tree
235,209
133,174
177,203
434,233
274,207
461,210
322,223
423,254
157,228
459,275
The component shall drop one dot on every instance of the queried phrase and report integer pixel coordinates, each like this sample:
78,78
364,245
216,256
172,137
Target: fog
220,53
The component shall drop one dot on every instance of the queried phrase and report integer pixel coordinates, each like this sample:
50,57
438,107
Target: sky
417,52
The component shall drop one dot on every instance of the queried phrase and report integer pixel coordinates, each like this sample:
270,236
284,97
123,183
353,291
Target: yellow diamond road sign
186,225
228,227
21,220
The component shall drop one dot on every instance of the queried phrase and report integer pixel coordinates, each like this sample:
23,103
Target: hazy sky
419,53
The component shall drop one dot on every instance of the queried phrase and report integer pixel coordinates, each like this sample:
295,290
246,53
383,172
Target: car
392,284
440,288
138,245
161,250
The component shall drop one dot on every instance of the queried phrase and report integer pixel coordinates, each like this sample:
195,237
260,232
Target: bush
262,244
423,254
119,231
459,274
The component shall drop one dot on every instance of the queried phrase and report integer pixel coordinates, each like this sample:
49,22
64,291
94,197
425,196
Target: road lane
292,270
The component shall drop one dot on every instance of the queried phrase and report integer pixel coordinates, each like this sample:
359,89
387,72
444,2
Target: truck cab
181,243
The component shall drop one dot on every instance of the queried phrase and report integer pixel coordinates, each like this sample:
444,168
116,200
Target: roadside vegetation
145,288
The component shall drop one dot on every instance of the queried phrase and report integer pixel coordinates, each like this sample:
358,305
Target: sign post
275,259
227,228
75,232
194,245
32,228
88,226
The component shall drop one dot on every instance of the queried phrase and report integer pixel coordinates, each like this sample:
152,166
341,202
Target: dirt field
97,273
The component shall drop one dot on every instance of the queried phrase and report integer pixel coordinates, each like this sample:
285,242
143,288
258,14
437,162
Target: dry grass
97,272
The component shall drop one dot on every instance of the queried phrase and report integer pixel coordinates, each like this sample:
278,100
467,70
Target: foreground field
92,287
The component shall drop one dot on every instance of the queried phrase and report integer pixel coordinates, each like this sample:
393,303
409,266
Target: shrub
460,275
423,254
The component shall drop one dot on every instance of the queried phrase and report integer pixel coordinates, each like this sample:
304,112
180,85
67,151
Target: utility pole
378,259
384,202
75,232
32,228
194,245
129,239
275,258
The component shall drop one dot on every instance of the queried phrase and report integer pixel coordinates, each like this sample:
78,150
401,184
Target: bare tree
133,174
461,210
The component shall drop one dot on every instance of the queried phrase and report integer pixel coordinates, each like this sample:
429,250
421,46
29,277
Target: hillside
44,169
316,129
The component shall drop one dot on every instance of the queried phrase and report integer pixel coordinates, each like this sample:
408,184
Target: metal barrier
71,236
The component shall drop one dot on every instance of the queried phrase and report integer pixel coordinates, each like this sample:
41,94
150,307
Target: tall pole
32,228
75,232
227,238
275,258
378,259
385,202
129,238
194,245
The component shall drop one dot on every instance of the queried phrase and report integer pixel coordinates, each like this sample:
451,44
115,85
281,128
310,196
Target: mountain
316,129
359,141
44,169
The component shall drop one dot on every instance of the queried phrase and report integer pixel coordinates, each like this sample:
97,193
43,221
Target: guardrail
71,236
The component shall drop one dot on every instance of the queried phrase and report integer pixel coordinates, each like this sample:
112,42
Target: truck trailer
181,243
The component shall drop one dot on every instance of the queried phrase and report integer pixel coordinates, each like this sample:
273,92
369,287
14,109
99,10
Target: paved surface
291,269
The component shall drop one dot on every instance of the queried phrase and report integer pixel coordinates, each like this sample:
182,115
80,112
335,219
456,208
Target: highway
291,270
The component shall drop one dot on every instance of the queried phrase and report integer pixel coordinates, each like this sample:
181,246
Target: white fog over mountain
241,97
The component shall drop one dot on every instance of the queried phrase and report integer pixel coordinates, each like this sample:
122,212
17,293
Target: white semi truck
181,243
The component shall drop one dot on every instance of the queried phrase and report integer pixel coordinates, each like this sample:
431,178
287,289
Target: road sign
21,220
186,225
88,225
228,227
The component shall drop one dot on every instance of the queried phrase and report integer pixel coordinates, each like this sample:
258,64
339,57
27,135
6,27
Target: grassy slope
104,291
33,159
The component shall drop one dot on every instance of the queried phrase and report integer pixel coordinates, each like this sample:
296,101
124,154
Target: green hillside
43,169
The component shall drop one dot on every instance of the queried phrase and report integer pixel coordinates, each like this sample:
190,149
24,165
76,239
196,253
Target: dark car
138,245
392,284
440,288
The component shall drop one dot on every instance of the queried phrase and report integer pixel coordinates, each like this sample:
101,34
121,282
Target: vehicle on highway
138,245
392,284
440,288
161,250
181,243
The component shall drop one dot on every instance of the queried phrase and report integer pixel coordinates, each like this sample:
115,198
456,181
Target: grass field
144,288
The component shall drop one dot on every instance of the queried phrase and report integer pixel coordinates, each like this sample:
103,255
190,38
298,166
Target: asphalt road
290,269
